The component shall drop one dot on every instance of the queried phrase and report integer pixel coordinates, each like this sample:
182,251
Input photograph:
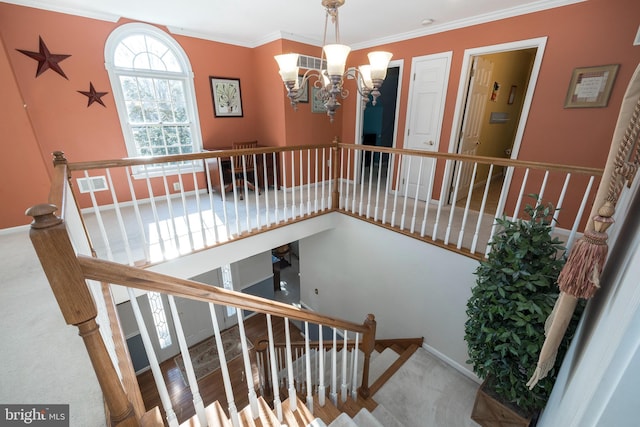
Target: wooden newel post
368,345
335,163
58,259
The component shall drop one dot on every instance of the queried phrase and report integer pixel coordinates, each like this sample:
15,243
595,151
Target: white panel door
427,93
479,88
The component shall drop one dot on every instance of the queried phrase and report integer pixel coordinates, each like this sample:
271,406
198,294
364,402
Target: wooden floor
211,388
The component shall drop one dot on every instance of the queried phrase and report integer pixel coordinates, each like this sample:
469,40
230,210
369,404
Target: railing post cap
58,157
43,216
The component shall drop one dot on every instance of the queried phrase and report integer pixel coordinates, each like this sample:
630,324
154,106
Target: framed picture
591,86
317,104
227,100
303,92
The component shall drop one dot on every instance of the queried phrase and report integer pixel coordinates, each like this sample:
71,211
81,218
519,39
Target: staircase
339,410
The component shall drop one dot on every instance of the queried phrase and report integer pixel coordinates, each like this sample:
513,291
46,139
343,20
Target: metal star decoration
46,60
93,95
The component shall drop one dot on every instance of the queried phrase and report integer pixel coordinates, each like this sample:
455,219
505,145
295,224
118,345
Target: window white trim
185,76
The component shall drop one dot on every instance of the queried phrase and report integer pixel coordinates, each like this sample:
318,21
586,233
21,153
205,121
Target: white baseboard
15,230
455,365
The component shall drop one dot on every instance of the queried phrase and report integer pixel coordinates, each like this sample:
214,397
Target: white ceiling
250,23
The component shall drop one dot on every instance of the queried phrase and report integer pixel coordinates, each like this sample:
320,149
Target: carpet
204,355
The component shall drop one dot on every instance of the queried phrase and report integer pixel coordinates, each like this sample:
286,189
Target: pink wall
595,32
591,33
23,177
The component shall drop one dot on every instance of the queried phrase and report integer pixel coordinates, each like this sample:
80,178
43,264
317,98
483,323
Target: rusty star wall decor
93,95
46,60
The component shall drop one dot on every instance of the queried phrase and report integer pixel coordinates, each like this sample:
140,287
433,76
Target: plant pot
490,411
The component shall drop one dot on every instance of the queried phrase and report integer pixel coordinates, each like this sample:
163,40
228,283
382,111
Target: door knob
431,143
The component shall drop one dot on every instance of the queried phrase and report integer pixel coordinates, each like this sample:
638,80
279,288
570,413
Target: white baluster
370,184
308,370
487,185
390,166
266,188
284,184
292,390
465,214
377,205
318,164
347,179
256,193
185,209
443,196
224,369
223,194
274,371
406,191
274,159
416,198
136,209
194,179
334,367
154,209
362,154
302,212
396,190
188,365
172,217
516,211
321,388
103,231
163,392
542,187
354,387
235,194
427,202
293,185
456,187
344,386
574,229
116,206
556,213
251,388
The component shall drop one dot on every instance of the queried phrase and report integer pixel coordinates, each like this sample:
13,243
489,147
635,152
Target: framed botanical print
317,104
227,99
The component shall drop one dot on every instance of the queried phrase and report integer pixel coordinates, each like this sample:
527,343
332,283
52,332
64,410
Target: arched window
153,88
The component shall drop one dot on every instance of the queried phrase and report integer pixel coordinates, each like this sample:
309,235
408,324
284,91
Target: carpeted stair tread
343,420
364,418
420,393
386,418
216,417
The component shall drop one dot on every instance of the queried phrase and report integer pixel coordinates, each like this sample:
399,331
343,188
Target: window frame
185,76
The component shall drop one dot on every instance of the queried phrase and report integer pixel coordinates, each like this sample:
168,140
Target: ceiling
363,23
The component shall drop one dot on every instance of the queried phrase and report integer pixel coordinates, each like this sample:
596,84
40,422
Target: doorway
494,97
376,125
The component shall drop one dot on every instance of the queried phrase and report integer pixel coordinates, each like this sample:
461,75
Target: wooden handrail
498,161
335,145
138,161
111,272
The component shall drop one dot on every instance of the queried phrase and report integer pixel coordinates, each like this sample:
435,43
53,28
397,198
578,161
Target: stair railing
450,200
68,274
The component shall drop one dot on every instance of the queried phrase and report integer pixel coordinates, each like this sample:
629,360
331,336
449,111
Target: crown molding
467,22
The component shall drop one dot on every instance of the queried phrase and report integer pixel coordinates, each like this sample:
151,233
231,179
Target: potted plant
514,294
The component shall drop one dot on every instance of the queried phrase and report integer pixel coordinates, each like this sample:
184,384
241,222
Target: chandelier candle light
330,78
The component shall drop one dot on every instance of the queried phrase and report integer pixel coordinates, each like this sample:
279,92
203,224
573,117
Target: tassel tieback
580,276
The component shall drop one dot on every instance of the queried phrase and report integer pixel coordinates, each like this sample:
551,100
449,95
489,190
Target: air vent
311,63
92,184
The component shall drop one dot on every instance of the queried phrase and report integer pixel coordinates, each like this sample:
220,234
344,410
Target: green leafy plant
514,294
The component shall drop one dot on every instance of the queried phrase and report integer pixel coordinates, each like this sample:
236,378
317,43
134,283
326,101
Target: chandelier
330,78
